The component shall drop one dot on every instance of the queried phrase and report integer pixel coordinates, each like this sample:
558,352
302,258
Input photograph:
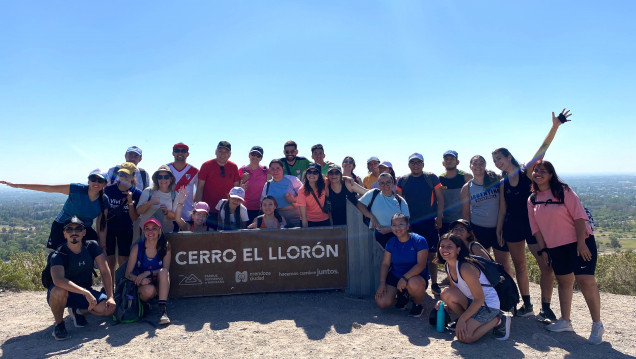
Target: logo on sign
240,276
190,279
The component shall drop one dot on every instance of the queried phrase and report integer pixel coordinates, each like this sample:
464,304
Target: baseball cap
98,172
134,149
373,158
224,144
416,156
152,220
73,220
334,166
237,192
461,221
258,149
181,145
450,152
202,206
315,166
128,167
386,164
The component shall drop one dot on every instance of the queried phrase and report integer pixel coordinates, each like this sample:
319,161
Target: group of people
472,213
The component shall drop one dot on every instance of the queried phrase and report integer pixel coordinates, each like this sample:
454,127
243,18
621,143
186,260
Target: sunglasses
313,172
459,229
416,163
333,173
256,154
162,177
123,175
222,171
347,162
179,150
94,178
74,229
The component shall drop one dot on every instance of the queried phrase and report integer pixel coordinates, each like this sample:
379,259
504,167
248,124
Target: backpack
144,176
429,182
499,279
376,192
129,308
47,280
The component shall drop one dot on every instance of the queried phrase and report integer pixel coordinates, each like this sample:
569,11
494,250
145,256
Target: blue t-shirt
79,204
384,207
288,184
404,255
118,213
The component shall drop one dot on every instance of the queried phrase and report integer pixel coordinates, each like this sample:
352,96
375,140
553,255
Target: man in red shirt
221,175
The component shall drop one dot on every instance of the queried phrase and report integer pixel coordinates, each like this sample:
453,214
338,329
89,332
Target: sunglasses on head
74,229
162,177
179,150
95,178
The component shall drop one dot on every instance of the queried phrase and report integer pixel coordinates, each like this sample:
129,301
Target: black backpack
47,280
376,192
499,279
129,308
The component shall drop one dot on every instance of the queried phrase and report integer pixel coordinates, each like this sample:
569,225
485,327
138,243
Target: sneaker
524,311
560,325
416,311
596,336
79,320
402,300
547,316
436,289
59,332
502,330
164,316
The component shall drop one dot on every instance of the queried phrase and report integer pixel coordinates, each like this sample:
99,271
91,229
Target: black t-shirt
79,266
420,196
339,204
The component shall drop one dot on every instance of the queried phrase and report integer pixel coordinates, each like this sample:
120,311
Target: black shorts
516,232
487,237
427,230
565,259
393,280
122,239
76,300
56,236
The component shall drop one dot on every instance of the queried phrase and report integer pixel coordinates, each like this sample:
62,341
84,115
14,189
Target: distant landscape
26,216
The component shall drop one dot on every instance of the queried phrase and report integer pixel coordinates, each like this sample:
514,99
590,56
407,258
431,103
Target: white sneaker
560,325
596,336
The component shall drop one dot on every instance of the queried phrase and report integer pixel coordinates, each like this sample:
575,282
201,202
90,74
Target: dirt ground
328,324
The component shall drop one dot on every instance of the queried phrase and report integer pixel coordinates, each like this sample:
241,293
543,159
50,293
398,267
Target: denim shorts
484,314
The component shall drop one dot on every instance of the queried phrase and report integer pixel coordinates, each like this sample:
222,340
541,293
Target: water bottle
441,317
129,302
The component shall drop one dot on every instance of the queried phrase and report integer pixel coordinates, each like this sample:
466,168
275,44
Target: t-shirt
140,175
244,216
484,204
288,184
417,192
187,178
79,204
369,180
118,207
556,221
314,213
299,167
168,199
255,184
339,204
384,207
324,169
404,255
452,188
79,266
217,186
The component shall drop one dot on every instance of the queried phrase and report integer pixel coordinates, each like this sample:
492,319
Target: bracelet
405,279
541,251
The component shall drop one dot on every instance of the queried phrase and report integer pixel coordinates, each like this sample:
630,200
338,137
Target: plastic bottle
441,318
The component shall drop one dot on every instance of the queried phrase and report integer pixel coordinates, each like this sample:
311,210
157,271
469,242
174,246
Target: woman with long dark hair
566,243
312,197
339,191
470,294
480,206
86,201
348,165
150,269
513,227
270,217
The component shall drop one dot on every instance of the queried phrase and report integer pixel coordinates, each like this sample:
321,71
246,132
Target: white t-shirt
243,209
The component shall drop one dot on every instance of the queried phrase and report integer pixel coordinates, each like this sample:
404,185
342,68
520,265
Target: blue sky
82,81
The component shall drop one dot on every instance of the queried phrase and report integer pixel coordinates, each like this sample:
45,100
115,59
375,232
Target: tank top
517,201
452,188
484,204
144,263
490,294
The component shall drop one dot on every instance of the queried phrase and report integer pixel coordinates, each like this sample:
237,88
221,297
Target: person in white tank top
470,294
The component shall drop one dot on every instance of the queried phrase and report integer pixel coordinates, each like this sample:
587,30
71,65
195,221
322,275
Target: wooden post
364,255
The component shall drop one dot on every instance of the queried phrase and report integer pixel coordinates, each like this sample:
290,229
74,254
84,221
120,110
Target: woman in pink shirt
311,198
559,223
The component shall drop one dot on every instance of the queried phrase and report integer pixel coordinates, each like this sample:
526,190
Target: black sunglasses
160,177
95,178
313,172
76,229
179,150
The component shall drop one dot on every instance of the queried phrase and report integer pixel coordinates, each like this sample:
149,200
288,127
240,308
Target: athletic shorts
565,259
484,314
78,301
393,280
427,230
487,237
516,232
122,239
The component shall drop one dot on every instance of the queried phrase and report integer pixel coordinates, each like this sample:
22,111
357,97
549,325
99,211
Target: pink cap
152,220
202,206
